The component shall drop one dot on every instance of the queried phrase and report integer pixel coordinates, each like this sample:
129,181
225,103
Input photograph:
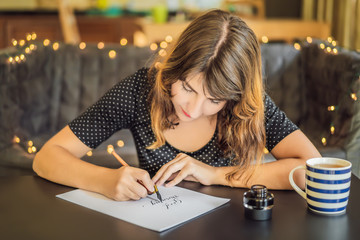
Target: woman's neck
193,135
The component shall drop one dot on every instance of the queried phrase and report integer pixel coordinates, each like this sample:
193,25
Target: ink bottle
258,203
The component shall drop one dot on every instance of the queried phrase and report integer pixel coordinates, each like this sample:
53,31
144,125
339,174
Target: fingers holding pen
128,194
143,178
131,183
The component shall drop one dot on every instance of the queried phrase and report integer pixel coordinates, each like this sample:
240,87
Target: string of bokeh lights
28,45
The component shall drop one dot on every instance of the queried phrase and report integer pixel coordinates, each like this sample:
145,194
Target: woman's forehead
197,82
210,88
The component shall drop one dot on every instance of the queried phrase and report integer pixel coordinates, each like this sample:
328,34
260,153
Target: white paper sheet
179,205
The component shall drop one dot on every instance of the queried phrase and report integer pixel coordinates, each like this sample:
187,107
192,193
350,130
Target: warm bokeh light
82,45
14,42
101,45
168,38
28,37
22,42
110,148
322,46
112,54
27,50
158,65
89,153
323,140
140,39
309,39
331,108
33,36
264,39
46,42
353,96
153,46
120,143
123,41
16,139
332,129
56,46
163,44
297,46
162,52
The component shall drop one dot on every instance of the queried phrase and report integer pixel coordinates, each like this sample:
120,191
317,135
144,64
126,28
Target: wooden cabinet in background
47,26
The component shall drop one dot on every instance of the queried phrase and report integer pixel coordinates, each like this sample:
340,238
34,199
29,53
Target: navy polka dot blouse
125,106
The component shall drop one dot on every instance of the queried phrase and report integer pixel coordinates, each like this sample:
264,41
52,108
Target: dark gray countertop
30,210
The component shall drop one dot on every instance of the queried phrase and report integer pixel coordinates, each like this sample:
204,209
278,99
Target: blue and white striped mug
327,185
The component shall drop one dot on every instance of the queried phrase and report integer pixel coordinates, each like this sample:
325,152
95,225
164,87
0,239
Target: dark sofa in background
40,95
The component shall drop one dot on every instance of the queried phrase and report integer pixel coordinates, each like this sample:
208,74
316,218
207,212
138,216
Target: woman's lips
186,113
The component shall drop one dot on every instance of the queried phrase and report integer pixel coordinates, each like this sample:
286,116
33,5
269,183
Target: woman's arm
59,161
292,151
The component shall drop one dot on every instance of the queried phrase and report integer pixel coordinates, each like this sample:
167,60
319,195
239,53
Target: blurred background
57,57
142,22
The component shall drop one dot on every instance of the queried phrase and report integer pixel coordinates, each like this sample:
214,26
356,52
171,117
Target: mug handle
293,184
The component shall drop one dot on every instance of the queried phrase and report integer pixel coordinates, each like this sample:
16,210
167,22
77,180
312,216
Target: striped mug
327,185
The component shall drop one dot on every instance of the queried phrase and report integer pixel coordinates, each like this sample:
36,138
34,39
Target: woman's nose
195,107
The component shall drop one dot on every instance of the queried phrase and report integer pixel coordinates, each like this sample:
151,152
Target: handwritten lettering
167,202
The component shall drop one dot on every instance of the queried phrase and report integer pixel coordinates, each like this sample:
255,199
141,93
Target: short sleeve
111,113
277,125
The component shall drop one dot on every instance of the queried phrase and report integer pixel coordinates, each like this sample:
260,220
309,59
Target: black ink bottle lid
258,203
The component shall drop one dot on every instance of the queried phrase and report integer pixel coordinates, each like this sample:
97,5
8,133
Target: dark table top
30,210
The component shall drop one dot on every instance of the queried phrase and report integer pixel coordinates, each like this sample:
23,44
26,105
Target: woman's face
191,101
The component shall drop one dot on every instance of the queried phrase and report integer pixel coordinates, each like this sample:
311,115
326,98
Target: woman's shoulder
137,82
138,77
269,104
142,73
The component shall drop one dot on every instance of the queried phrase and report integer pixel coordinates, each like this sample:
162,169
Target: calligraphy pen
112,151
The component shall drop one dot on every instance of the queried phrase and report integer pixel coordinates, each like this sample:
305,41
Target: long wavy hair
225,50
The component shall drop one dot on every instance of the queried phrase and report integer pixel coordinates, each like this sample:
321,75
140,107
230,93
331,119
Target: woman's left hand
184,167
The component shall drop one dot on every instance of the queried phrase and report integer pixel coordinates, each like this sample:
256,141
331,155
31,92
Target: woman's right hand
123,184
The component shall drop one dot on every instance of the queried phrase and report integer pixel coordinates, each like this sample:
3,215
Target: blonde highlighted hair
226,51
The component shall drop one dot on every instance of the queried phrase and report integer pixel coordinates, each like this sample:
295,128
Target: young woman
200,115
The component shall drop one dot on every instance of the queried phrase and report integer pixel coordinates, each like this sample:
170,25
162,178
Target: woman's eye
214,101
185,88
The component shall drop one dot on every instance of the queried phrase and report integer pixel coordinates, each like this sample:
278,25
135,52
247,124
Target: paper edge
226,200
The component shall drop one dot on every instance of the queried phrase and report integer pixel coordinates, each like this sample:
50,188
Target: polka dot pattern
126,106
277,125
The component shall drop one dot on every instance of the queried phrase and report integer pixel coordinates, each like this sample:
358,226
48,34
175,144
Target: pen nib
158,193
159,196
